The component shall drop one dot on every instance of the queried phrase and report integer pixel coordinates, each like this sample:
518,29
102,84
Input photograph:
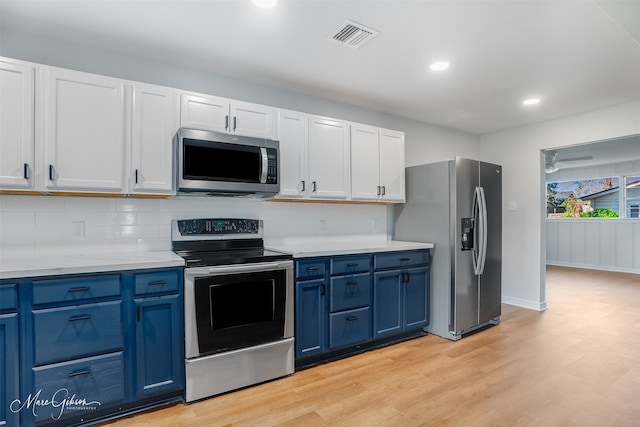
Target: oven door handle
242,268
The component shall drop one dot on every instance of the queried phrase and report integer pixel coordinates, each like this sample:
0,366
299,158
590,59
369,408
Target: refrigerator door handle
479,210
482,253
475,211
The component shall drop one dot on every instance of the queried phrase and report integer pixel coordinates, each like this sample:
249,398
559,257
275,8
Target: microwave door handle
265,165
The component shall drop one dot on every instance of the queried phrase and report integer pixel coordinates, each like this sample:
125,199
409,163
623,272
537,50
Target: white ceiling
576,55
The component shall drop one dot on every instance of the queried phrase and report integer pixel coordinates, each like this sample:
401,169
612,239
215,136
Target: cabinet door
251,120
328,158
293,154
84,141
9,368
154,123
392,165
204,113
415,297
387,303
310,318
16,125
365,171
159,340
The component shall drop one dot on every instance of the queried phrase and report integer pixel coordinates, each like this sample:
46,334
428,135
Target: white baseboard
531,305
594,267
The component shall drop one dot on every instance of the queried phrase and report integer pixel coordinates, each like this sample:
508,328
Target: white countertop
321,247
13,267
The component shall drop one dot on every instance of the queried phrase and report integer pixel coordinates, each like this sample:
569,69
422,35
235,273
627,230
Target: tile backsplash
76,224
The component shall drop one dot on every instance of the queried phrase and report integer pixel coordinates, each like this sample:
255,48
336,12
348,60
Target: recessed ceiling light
265,3
439,66
531,101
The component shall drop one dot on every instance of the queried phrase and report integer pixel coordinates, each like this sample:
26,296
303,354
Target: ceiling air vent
353,35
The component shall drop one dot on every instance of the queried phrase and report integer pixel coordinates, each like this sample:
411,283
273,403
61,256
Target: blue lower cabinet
349,327
400,302
90,347
416,299
83,385
387,303
9,369
68,332
159,342
310,318
349,303
350,291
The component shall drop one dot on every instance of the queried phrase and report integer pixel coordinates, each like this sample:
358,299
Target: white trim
531,305
594,267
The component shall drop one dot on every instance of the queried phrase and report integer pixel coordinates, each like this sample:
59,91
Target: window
594,198
632,196
589,198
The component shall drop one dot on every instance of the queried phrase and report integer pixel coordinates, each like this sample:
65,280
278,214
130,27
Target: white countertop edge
318,248
57,265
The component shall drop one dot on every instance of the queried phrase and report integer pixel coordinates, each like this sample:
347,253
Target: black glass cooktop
244,256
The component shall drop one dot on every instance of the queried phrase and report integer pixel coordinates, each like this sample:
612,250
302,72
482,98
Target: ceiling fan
553,163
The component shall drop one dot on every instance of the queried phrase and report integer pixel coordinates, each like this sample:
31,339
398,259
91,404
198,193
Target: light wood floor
576,364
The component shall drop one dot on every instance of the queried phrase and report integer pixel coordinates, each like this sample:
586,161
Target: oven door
237,306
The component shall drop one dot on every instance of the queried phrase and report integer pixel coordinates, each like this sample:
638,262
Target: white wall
519,151
601,244
44,223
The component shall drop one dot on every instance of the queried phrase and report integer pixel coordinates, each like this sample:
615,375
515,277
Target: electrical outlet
375,224
323,225
78,229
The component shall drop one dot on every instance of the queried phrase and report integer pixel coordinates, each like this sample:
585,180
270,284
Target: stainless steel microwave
226,165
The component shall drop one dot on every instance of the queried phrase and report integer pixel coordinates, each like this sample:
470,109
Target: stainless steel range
238,305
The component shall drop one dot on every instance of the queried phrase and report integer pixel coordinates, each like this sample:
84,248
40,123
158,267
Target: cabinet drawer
68,332
8,297
400,259
310,269
350,291
350,265
95,381
156,282
349,327
75,289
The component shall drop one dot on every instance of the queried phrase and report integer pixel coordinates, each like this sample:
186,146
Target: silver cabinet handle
25,172
226,122
314,188
52,173
235,123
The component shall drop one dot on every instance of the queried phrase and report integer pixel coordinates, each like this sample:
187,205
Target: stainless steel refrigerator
457,205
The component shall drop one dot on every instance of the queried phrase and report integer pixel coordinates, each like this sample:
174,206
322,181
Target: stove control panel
203,227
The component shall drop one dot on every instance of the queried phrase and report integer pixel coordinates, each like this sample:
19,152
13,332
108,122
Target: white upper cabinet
292,134
392,165
365,163
84,134
154,125
251,120
377,164
328,157
216,114
204,113
17,126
